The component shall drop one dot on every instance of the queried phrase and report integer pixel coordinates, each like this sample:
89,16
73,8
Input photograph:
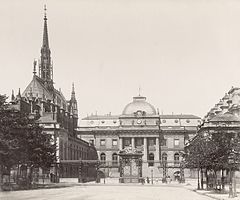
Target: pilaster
120,143
157,150
145,149
133,142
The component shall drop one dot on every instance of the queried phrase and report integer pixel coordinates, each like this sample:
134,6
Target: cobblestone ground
104,192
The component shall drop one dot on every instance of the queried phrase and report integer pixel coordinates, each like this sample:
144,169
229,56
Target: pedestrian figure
169,179
148,181
51,177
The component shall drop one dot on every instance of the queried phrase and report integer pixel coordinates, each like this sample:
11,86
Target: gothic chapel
58,116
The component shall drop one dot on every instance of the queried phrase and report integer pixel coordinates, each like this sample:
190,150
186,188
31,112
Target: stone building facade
140,126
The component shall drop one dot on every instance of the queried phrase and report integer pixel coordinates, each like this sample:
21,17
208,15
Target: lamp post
164,163
80,168
182,178
230,162
152,175
98,175
160,143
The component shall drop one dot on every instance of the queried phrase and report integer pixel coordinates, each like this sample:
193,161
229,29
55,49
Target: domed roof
139,104
226,117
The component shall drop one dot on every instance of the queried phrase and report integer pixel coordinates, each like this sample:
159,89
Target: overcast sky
185,55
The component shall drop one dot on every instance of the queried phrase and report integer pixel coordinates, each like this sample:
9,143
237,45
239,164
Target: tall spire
18,97
19,92
34,67
46,71
12,97
139,91
73,102
73,92
45,30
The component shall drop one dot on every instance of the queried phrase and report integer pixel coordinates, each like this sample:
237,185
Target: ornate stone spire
12,97
34,67
19,97
73,102
46,71
73,92
45,30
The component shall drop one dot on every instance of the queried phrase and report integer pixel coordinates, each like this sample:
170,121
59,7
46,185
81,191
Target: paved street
103,192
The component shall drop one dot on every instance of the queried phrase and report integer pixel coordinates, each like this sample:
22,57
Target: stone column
133,142
157,150
120,143
145,149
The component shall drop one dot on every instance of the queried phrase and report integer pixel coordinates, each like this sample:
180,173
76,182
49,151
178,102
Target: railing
152,148
139,148
108,164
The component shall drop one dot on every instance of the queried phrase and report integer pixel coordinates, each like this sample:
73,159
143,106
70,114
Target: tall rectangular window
152,141
139,141
114,142
102,142
127,141
164,142
176,142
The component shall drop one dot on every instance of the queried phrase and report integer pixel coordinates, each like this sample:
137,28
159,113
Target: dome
227,117
139,104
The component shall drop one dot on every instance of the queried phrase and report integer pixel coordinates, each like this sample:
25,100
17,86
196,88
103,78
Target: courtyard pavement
70,189
107,192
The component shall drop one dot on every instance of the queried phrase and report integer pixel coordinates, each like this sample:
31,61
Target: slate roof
182,116
227,117
38,90
101,117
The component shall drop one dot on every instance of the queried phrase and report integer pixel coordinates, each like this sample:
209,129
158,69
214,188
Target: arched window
151,159
74,153
61,150
164,157
103,157
176,158
65,152
71,152
114,159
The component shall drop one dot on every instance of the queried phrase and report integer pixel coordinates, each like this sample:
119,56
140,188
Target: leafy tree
211,151
23,141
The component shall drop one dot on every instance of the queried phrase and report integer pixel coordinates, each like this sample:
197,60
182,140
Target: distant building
223,118
58,115
229,103
138,127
